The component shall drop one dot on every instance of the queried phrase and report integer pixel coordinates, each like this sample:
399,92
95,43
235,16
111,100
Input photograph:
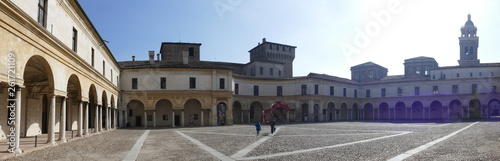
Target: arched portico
256,111
474,109
237,113
417,110
331,111
368,112
400,111
163,113
192,112
384,113
436,110
305,112
343,111
135,113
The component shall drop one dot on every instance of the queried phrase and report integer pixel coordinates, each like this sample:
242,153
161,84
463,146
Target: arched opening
135,113
316,112
256,111
237,113
221,113
494,106
305,112
455,109
331,111
436,110
39,87
343,111
72,102
384,111
163,110
92,107
368,111
417,110
112,110
474,109
400,110
355,111
192,109
104,109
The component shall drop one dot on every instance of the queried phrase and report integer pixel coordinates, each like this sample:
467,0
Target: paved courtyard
318,141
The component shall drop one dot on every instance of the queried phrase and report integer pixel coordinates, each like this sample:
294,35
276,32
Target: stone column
182,118
115,119
106,125
17,125
411,113
96,119
62,120
373,113
80,119
248,116
173,118
423,113
86,120
145,119
202,121
52,120
154,118
241,116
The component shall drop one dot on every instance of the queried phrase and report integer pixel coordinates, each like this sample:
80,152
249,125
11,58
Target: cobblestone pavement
315,141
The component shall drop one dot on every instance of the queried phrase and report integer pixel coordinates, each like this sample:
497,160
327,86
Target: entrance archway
368,111
417,110
384,111
343,111
355,111
256,111
494,106
331,111
400,110
305,112
237,113
455,110
474,109
163,111
135,113
192,112
436,110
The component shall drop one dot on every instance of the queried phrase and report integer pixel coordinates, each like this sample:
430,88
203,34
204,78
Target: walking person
272,123
257,127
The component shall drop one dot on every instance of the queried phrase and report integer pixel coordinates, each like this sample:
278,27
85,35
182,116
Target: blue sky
330,35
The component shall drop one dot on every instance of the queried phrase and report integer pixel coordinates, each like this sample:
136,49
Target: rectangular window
316,89
435,90
454,89
192,83
417,90
382,92
332,90
75,40
458,75
345,92
433,76
400,91
191,51
470,74
256,90
42,12
493,88
163,83
480,74
222,83
236,89
134,83
111,72
103,68
165,117
261,70
492,74
279,90
474,89
355,93
270,71
92,56
279,73
368,93
427,70
303,89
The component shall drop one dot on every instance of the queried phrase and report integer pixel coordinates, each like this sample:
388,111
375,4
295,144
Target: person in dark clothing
272,123
257,127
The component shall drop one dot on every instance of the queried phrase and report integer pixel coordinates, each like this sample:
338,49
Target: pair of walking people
258,127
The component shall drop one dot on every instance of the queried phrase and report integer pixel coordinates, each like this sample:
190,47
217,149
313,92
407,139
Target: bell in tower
468,44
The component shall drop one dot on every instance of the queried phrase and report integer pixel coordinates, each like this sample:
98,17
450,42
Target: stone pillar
96,119
411,113
429,113
17,124
248,116
241,116
173,118
145,119
154,118
373,113
62,121
182,118
115,125
86,120
106,125
80,119
202,121
52,120
100,118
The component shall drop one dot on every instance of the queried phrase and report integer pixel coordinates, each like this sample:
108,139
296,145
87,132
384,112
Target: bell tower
468,44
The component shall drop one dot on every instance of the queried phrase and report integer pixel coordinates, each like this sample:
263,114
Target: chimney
158,55
185,57
263,40
151,56
133,58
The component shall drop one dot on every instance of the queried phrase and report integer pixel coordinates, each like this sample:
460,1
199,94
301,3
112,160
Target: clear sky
330,35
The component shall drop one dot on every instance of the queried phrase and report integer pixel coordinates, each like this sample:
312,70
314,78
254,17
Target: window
400,91
270,71
303,89
332,90
367,93
470,74
417,70
256,90
410,70
279,73
279,90
417,90
75,39
111,72
222,83
134,83
316,89
492,74
355,93
454,89
261,70
345,92
103,68
480,74
433,76
192,83
474,89
493,88
191,51
427,70
163,83
458,75
382,92
236,89
92,56
165,117
42,12
435,90
371,74
150,117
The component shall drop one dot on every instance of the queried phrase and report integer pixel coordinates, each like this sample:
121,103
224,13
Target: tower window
345,92
355,93
458,75
191,51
